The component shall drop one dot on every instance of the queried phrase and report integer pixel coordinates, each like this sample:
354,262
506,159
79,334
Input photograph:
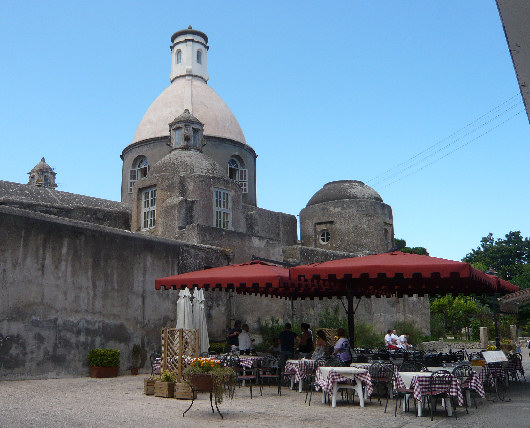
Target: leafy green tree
401,245
456,312
509,257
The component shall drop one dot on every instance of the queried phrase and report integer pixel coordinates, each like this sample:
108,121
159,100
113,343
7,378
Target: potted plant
136,358
207,375
104,362
165,384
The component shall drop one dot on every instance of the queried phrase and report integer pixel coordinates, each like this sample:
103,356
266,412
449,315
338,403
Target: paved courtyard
120,402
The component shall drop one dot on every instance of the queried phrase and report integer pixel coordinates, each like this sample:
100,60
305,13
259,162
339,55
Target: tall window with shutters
239,174
148,208
222,209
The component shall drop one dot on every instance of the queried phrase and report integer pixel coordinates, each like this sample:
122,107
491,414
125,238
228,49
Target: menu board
494,356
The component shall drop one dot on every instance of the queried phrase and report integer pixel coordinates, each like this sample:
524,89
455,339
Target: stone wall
67,287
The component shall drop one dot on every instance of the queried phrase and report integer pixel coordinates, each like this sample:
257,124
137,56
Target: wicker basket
164,389
149,386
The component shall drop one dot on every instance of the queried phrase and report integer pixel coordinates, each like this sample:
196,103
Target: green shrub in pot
104,357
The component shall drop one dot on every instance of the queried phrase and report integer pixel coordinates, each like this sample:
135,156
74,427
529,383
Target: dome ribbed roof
344,189
202,102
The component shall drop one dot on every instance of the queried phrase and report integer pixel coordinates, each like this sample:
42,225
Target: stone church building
78,272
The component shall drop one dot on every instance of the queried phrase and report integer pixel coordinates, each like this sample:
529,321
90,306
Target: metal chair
462,373
382,378
439,387
412,366
270,370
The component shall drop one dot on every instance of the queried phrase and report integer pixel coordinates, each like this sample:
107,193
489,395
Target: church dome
187,162
344,189
201,100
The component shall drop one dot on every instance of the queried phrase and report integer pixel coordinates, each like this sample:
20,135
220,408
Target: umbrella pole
351,321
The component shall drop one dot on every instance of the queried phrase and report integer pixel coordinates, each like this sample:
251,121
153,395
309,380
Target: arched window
239,174
179,56
139,169
199,57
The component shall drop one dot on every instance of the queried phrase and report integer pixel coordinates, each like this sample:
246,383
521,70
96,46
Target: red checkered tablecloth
399,380
422,386
248,361
326,382
300,368
491,372
473,382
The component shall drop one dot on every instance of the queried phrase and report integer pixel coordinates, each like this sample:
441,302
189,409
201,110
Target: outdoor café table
249,361
473,382
420,383
400,383
301,369
328,378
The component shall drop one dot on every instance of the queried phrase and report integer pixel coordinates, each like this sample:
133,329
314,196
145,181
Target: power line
456,149
398,166
382,180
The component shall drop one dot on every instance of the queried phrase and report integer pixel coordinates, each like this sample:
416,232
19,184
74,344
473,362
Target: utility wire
449,137
456,149
388,177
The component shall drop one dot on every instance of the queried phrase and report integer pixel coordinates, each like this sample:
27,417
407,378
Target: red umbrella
253,277
393,273
398,273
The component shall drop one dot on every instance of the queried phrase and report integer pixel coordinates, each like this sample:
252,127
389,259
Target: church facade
78,272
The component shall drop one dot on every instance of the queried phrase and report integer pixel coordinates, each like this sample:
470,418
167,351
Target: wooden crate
183,391
164,389
149,386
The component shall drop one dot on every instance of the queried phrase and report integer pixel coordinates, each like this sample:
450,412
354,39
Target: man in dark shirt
233,336
287,343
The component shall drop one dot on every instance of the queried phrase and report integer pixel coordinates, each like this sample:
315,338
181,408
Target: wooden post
351,314
180,335
164,349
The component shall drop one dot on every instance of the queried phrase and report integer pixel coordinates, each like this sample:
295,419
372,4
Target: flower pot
202,382
101,372
149,386
164,389
134,371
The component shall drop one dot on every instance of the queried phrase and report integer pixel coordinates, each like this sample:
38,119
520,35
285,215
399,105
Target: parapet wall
67,287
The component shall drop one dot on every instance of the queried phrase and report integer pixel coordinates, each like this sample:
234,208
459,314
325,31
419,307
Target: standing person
342,348
305,348
321,345
245,342
287,344
233,336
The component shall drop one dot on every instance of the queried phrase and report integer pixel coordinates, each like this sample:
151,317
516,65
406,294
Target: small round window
324,236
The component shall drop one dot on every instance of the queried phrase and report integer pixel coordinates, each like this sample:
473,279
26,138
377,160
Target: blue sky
322,90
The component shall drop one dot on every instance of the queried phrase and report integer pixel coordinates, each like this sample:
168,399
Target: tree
401,245
455,312
508,256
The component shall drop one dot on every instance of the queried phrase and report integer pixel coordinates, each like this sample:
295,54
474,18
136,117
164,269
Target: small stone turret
42,175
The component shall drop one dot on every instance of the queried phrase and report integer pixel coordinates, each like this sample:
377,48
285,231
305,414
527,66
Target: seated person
321,346
245,342
403,341
276,347
342,348
388,340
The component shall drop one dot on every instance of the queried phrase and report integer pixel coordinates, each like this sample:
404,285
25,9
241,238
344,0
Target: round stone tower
347,215
222,137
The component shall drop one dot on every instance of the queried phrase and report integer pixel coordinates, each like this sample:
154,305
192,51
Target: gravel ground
120,402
